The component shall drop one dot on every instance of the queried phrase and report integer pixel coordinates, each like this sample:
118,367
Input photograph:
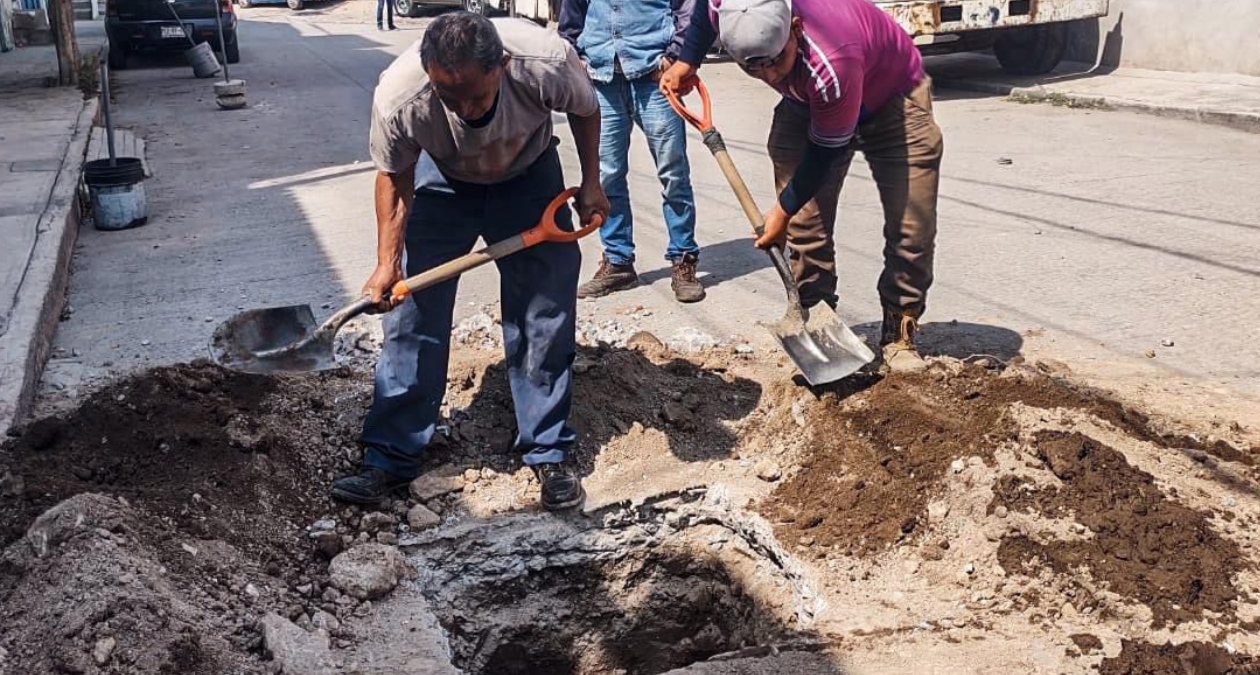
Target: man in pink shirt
851,79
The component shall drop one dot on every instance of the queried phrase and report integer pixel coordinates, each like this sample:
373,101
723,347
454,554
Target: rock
676,414
295,650
768,471
436,484
376,521
324,525
103,650
1150,353
969,568
471,476
646,342
387,538
1000,511
957,466
743,348
324,621
329,543
252,591
937,511
368,571
421,518
1166,343
331,594
12,485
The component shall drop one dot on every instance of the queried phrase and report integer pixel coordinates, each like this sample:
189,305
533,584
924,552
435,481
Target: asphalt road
1104,236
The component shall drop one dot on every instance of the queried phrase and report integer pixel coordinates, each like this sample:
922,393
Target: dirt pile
1132,533
1189,658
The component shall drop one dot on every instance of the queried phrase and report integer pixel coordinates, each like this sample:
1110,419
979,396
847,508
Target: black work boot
686,286
368,487
561,488
896,342
609,278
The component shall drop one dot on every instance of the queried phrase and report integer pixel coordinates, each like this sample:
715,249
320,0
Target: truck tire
117,57
244,4
477,7
1035,50
408,8
296,5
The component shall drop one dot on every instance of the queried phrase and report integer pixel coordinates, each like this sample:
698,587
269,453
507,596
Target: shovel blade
822,346
275,339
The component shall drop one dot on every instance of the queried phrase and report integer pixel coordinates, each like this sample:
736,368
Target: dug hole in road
976,517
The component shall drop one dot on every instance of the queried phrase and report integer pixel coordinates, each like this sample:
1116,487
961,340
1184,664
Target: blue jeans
387,6
623,104
538,292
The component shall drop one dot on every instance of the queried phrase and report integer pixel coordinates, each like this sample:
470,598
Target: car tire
1035,50
232,50
117,57
407,8
296,5
477,7
244,4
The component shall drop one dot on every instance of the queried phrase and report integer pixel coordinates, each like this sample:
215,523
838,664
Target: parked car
135,25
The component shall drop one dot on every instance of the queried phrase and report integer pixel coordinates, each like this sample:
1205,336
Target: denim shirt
632,34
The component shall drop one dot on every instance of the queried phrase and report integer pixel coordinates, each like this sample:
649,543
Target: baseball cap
752,29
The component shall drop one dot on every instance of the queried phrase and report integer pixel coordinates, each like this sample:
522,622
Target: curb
25,346
1242,121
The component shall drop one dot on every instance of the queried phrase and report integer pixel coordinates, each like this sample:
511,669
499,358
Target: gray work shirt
543,76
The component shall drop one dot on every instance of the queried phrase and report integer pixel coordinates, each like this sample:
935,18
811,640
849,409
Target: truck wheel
1031,51
296,5
244,4
117,57
407,8
477,7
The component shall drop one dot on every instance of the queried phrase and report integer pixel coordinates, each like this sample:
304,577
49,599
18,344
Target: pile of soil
1188,658
1137,532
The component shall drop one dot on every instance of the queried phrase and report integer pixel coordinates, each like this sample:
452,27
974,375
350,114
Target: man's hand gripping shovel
819,343
279,339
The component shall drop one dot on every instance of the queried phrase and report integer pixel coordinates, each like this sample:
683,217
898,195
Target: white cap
752,29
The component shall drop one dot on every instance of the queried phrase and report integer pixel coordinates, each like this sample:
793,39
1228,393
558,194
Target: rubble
368,571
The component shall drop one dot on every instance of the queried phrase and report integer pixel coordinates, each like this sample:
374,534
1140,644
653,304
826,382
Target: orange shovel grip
703,121
548,230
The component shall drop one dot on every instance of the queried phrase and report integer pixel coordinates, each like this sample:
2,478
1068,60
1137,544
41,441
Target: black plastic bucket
117,192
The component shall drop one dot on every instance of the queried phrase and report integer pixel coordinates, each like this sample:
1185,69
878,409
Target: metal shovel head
820,344
275,339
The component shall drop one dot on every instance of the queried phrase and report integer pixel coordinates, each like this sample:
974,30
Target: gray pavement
1107,234
43,134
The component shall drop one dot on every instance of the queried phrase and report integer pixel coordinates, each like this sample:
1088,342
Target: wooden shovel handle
547,229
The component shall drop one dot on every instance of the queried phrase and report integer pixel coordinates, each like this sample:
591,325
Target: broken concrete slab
297,651
368,571
437,483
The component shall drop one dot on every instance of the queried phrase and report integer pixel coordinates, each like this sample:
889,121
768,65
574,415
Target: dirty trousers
903,147
538,291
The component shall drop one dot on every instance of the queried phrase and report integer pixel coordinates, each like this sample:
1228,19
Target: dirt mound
1135,531
1190,658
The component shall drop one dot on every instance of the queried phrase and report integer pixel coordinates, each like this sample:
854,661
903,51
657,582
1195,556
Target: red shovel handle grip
703,121
548,230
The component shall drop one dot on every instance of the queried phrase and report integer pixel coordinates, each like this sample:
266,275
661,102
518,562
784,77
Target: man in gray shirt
475,97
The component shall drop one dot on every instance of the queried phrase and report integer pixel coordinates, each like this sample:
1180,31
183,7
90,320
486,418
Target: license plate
172,32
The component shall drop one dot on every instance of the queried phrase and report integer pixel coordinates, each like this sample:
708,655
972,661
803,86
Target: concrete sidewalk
1227,100
44,132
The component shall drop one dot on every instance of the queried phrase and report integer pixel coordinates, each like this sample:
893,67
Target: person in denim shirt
626,44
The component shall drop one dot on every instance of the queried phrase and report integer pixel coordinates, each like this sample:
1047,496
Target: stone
12,485
676,414
969,569
957,466
297,651
322,525
436,484
937,511
471,476
368,571
329,543
387,538
1000,511
768,471
104,650
421,518
324,621
376,521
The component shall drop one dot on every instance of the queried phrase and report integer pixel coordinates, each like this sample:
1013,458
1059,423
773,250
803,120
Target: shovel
279,339
818,342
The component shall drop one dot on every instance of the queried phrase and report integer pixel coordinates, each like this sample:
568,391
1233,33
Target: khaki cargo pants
903,148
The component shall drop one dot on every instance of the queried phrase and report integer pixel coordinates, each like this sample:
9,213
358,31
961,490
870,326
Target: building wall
1219,36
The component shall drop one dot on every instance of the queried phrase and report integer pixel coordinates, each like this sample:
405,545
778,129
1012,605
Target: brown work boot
609,278
896,342
686,286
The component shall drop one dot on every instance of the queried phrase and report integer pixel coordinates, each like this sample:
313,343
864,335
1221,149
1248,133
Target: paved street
1106,235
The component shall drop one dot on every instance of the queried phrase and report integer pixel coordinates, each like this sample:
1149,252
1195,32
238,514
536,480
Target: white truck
1028,37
